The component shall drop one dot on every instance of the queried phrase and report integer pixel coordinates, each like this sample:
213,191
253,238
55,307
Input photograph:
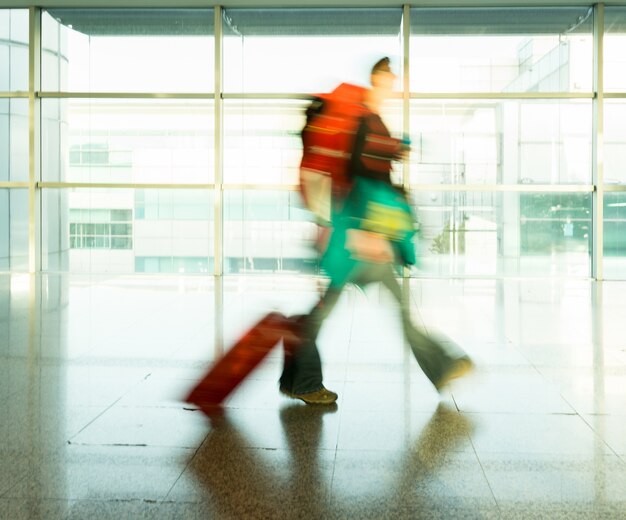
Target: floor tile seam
336,452
6,494
106,409
169,491
482,468
547,380
598,437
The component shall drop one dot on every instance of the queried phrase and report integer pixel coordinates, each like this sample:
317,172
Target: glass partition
615,178
501,49
13,50
13,229
503,234
128,140
127,231
128,50
501,142
614,42
13,140
267,231
306,50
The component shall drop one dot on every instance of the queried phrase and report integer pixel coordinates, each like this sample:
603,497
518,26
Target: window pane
13,49
116,240
503,142
614,42
503,234
127,141
267,231
614,202
130,50
614,141
501,50
306,50
13,140
13,230
262,141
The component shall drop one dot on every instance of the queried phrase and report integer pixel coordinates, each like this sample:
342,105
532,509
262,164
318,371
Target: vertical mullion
597,245
406,272
218,245
218,239
406,94
406,100
34,133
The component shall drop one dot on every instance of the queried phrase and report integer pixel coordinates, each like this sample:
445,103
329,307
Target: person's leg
302,371
440,362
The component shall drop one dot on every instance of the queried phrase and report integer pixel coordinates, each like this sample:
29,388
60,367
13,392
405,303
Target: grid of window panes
14,215
101,228
539,146
121,141
493,142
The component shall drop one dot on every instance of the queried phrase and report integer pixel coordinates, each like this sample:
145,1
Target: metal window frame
34,185
597,146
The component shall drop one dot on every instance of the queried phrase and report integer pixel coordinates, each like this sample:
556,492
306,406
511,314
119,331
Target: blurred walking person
371,232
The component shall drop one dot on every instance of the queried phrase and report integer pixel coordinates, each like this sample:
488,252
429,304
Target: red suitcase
230,370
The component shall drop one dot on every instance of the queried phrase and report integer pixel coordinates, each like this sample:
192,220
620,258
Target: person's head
382,76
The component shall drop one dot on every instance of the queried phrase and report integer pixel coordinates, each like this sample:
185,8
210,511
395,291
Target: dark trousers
302,371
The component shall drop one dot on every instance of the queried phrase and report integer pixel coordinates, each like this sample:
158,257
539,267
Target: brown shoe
457,368
321,396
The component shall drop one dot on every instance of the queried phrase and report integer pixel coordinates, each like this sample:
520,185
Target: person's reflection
307,486
411,481
245,482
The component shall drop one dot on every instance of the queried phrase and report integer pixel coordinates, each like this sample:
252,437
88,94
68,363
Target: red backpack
327,142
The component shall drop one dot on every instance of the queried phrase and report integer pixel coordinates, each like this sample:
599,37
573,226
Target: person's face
384,80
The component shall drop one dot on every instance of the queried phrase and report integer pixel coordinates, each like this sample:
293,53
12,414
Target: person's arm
373,151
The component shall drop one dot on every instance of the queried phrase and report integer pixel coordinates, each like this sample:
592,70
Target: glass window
503,234
501,50
173,205
306,50
262,142
127,141
128,50
614,202
614,42
615,235
13,49
500,142
13,230
108,235
100,230
167,264
268,231
614,141
13,140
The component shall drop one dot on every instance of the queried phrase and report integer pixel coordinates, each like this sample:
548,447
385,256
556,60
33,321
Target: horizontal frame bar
510,188
502,95
266,187
15,94
14,184
304,96
121,185
128,95
614,187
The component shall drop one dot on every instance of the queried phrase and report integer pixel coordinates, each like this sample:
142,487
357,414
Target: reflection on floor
92,371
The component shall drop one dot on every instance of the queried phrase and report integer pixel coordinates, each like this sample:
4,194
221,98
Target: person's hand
403,152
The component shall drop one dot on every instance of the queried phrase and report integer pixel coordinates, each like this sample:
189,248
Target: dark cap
382,65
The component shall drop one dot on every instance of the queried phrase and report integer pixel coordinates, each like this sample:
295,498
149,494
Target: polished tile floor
93,370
